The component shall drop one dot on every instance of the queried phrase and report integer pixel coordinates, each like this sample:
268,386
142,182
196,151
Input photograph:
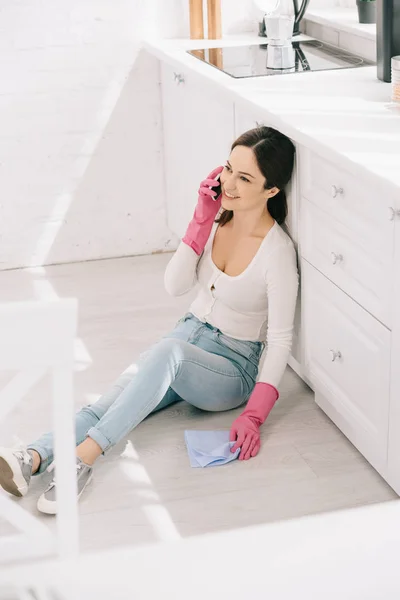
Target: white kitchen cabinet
347,355
394,413
346,228
246,118
198,132
347,246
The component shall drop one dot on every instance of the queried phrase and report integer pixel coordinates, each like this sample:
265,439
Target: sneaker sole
50,508
11,481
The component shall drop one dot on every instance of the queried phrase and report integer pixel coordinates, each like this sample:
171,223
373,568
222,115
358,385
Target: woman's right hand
206,193
206,210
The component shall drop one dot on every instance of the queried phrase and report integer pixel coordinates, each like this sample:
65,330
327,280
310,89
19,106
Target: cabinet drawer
362,208
347,359
349,260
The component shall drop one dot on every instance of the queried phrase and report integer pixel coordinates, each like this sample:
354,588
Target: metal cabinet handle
335,355
393,213
179,78
336,191
336,258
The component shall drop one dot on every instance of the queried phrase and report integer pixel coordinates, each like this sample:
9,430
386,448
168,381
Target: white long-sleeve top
257,305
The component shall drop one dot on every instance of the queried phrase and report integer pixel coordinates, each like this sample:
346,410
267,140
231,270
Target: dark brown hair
274,153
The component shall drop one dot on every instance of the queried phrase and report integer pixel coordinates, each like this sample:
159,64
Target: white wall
80,133
173,17
324,3
346,4
244,15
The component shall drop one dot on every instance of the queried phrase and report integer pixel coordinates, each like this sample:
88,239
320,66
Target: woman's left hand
245,430
246,433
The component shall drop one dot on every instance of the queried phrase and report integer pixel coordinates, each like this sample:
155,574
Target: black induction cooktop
254,61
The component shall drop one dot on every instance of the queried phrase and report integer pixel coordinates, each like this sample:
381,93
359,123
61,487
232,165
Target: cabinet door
394,415
347,357
198,132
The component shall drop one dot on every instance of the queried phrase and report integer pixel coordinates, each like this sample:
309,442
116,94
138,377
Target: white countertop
344,115
342,19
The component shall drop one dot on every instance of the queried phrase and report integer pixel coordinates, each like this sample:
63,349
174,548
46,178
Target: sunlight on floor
52,227
45,291
162,523
157,514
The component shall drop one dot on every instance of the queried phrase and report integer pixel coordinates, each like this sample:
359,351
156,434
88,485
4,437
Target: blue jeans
195,362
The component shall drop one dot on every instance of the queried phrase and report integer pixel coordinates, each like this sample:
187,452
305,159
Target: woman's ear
272,192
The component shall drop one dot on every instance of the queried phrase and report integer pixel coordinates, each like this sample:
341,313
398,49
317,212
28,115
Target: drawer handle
336,258
393,213
336,191
335,355
179,78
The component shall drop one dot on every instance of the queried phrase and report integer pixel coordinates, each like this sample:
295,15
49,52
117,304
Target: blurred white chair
36,337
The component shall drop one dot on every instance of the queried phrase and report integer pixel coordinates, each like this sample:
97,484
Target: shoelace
24,456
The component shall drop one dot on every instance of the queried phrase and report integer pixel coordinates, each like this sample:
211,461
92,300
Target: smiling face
243,183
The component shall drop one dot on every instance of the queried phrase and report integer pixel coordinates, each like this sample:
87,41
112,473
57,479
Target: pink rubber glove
206,210
245,430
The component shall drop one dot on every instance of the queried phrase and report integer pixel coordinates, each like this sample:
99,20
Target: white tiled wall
80,134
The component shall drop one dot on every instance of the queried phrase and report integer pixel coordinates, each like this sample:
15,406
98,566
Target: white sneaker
15,470
47,502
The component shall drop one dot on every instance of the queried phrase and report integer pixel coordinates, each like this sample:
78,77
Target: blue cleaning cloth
209,448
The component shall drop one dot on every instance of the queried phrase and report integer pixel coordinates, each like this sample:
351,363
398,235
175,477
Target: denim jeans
195,362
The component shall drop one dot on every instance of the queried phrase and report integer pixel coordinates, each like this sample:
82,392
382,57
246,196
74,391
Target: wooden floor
145,489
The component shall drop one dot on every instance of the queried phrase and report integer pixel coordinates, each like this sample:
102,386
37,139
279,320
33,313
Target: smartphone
217,187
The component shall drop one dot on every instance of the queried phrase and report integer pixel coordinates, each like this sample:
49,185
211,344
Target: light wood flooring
145,489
